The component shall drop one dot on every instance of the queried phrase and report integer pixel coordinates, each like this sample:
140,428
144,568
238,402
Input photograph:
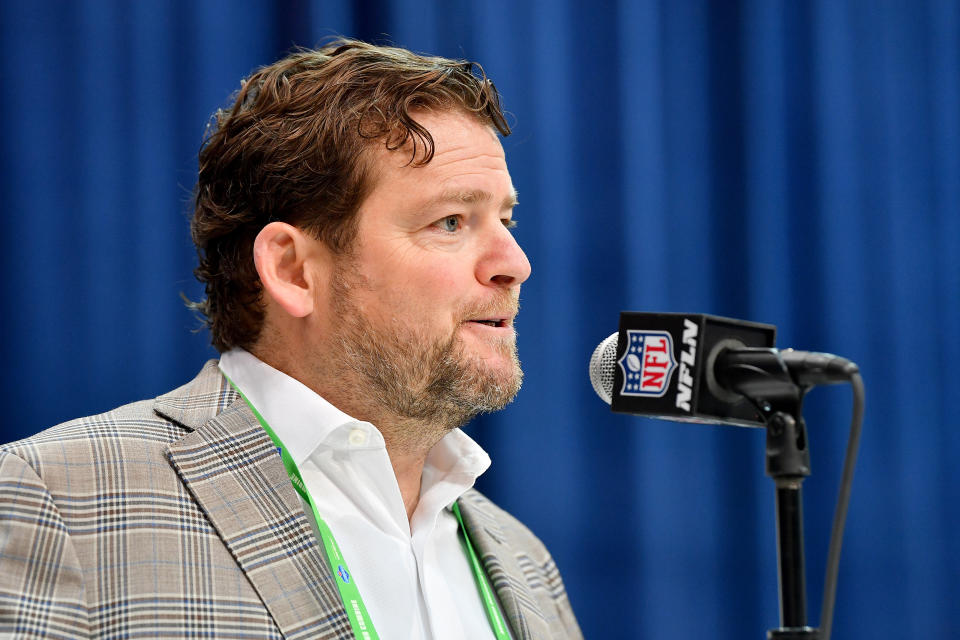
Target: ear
281,253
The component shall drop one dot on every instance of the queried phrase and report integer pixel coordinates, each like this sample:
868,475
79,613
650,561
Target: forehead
465,148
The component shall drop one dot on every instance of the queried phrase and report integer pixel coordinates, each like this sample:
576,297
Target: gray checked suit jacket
175,518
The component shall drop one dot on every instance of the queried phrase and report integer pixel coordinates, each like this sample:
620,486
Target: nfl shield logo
647,364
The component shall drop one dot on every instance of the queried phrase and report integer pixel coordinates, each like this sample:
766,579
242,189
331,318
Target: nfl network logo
647,364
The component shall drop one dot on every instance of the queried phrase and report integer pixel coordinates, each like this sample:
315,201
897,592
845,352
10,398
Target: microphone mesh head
602,365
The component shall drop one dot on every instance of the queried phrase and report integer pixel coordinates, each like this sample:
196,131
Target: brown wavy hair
293,147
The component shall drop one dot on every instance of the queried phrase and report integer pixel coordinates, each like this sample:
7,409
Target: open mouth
492,322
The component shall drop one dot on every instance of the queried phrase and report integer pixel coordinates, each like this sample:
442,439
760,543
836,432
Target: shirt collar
300,418
456,455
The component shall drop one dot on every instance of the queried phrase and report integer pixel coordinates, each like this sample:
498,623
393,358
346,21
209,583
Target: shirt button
358,437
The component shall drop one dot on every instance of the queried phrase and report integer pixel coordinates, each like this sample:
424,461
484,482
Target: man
352,220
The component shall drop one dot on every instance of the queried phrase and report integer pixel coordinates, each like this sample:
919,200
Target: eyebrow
474,196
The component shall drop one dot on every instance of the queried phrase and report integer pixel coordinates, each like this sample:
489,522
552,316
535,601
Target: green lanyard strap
493,611
356,610
349,592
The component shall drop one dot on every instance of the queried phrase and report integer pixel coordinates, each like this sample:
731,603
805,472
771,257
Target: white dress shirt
414,576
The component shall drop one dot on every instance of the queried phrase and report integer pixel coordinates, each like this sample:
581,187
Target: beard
412,377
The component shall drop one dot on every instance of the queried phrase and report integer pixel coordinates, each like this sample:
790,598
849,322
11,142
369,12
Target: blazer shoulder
135,422
501,524
135,428
522,570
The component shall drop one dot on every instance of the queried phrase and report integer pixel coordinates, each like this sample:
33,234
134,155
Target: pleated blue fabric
796,163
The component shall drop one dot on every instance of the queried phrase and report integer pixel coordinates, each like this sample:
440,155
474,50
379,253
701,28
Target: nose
503,263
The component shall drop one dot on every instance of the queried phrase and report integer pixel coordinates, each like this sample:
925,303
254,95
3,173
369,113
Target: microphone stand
788,463
769,386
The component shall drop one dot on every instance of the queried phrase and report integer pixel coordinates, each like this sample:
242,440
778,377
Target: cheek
424,288
446,280
431,300
429,281
437,292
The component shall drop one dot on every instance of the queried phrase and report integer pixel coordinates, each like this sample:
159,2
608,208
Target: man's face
423,305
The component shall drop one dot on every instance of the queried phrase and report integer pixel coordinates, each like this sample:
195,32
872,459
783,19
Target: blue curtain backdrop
796,163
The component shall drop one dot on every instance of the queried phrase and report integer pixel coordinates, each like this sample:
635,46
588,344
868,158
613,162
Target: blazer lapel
503,568
233,471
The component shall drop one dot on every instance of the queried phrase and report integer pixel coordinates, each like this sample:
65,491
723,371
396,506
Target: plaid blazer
175,518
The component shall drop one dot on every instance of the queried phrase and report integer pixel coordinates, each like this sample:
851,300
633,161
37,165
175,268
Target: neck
408,469
408,441
408,444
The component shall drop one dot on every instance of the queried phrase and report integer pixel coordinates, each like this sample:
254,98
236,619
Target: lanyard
360,621
493,611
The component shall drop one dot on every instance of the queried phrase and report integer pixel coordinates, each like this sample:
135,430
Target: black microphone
704,368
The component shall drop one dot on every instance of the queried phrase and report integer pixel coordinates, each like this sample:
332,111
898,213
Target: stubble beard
429,385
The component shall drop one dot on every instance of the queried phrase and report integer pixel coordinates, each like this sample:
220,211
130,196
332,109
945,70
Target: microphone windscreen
603,366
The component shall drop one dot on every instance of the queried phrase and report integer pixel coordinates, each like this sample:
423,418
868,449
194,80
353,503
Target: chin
499,372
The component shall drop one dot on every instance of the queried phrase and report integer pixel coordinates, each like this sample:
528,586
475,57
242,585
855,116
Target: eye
450,223
509,223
